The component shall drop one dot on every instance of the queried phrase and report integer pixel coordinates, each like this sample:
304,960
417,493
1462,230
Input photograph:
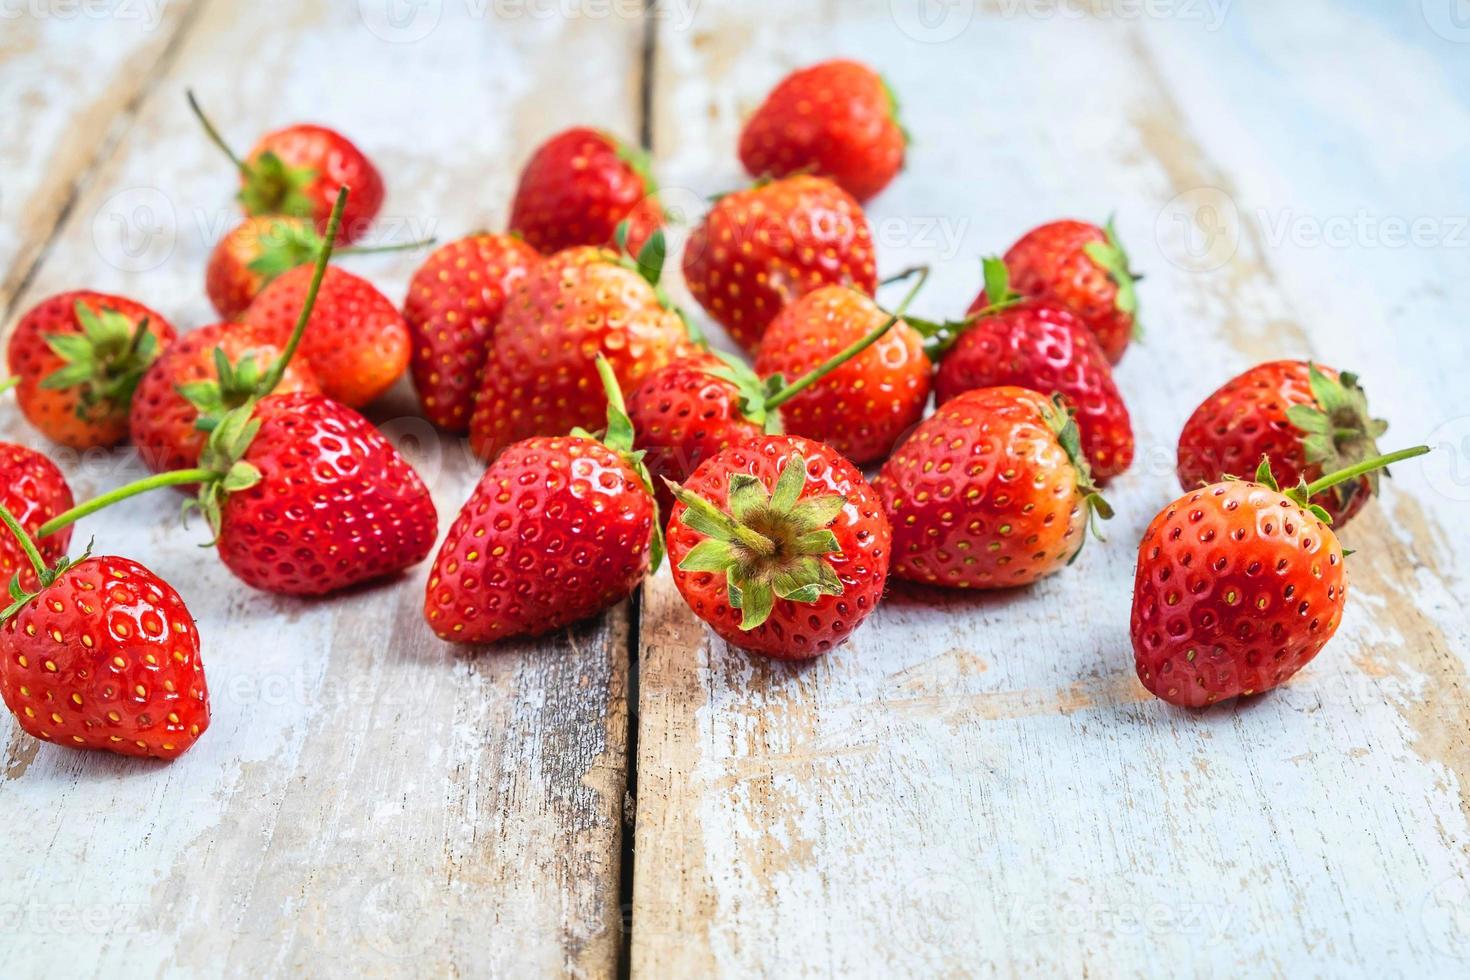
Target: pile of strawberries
607,421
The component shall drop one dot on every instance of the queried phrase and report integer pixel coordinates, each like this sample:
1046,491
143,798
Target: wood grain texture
977,784
368,800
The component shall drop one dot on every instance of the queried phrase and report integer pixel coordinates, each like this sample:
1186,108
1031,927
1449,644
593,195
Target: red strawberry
780,546
189,388
989,492
299,170
1238,587
356,342
454,302
539,378
761,248
1043,346
1306,420
578,187
838,119
557,530
79,356
104,655
1084,268
33,489
862,407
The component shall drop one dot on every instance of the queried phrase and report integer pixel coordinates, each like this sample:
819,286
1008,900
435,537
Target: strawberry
1306,419
1238,587
256,251
299,170
455,299
863,406
356,342
102,655
1084,268
1043,346
539,377
780,546
761,248
991,491
195,381
578,187
33,489
79,356
838,119
557,530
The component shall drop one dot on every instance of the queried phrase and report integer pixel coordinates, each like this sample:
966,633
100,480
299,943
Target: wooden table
976,784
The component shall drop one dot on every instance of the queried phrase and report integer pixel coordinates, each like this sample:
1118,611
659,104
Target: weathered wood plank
978,784
368,801
72,75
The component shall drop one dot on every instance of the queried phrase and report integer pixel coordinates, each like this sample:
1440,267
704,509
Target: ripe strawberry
1043,346
780,546
103,655
33,489
195,381
356,342
299,170
454,302
1307,420
539,377
578,187
863,406
79,356
761,248
991,491
1084,268
838,119
558,529
1238,586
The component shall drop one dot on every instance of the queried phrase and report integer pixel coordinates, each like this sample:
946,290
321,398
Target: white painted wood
978,784
367,800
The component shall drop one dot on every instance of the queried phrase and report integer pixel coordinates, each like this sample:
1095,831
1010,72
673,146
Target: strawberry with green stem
34,490
1239,585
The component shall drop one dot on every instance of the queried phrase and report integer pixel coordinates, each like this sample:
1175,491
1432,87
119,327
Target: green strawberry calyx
1338,431
940,336
44,575
649,264
894,112
619,437
1303,492
1059,418
1112,258
771,545
106,360
270,185
637,159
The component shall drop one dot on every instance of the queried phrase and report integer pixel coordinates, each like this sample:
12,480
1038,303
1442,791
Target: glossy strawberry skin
540,378
794,631
1237,589
835,119
228,279
336,504
683,415
761,248
982,495
863,407
1051,263
1046,348
455,300
356,342
576,189
162,421
558,529
106,658
54,412
336,163
34,491
1246,419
